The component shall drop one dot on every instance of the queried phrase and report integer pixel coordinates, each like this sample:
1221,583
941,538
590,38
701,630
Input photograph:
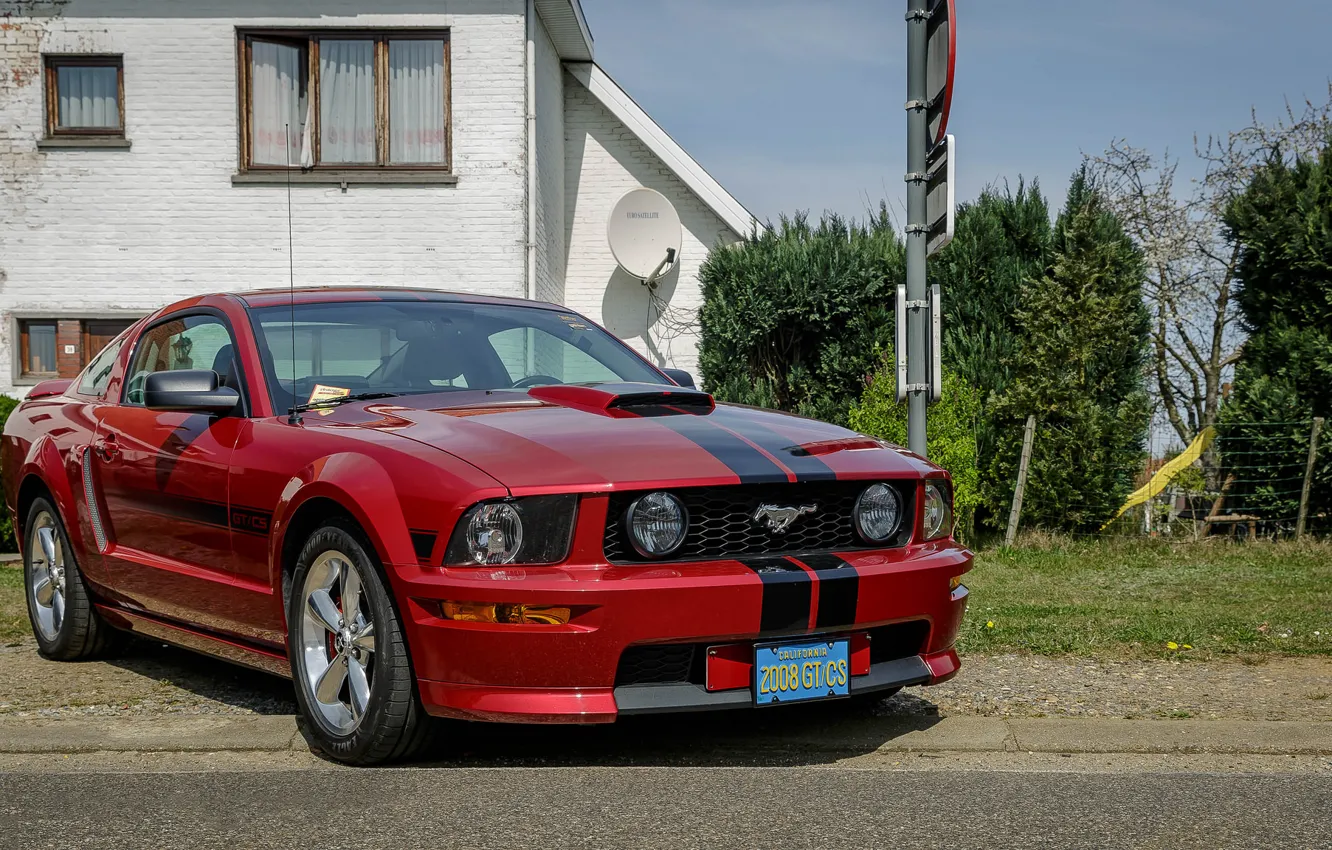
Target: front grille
721,521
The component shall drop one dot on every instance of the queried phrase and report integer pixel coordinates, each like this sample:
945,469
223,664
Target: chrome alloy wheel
337,642
46,578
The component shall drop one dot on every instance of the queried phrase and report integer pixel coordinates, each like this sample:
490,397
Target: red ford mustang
416,503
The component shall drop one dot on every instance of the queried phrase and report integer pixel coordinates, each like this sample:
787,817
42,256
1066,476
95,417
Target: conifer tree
1003,238
1082,333
1283,225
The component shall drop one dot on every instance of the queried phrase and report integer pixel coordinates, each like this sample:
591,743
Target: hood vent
627,400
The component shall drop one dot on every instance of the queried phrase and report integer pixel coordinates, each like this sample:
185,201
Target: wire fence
1254,481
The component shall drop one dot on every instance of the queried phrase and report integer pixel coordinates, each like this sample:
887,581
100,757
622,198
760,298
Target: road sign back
941,194
940,66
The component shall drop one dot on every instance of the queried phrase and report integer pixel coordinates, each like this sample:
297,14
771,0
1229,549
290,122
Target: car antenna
293,415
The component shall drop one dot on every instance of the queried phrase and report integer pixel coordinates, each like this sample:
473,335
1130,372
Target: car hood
626,436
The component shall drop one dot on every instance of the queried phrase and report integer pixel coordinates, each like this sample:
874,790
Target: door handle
107,448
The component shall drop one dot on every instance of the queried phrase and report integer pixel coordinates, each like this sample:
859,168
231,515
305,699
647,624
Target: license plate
801,672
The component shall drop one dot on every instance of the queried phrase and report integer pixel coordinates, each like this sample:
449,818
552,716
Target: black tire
393,726
78,633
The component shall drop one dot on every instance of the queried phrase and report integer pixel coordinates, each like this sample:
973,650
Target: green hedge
953,424
8,541
793,318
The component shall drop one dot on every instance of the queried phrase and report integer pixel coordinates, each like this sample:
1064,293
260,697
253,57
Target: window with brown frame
345,99
85,96
59,348
37,344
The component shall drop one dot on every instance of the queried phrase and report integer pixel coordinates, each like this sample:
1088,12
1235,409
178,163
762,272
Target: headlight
878,513
938,509
657,524
535,530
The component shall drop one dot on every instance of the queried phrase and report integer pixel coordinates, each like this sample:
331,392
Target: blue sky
798,105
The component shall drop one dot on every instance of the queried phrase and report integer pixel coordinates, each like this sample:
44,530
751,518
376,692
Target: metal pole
1308,477
917,241
1015,513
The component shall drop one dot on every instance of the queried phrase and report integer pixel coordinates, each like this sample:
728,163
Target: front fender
362,487
44,462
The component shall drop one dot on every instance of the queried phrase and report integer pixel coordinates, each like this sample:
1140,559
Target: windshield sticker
323,393
574,322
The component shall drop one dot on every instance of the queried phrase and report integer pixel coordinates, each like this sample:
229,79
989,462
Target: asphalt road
684,807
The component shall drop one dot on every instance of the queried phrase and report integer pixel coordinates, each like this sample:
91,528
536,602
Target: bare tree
1191,260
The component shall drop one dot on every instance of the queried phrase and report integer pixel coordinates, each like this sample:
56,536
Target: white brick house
458,144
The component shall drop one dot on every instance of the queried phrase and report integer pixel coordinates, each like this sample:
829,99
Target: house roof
669,151
568,28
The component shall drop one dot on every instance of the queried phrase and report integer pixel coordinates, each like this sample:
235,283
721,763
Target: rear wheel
66,625
354,680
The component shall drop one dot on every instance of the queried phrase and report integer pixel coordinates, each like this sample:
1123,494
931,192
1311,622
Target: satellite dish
644,233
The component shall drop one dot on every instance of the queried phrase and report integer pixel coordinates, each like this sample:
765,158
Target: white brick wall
100,232
550,170
88,233
604,160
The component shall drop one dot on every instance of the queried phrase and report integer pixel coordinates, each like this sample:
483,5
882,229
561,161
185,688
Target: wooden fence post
1027,439
1308,477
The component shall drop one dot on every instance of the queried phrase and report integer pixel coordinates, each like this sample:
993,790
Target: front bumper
572,673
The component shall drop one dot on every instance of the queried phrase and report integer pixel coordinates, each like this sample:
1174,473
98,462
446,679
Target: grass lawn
1134,599
13,608
1101,599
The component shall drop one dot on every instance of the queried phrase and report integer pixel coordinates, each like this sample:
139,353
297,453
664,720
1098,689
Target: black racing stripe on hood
839,590
749,464
805,467
787,594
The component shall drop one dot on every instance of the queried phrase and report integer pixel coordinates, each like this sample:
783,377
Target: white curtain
347,101
89,96
416,102
278,112
41,349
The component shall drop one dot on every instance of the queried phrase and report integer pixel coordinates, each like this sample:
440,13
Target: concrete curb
885,735
174,734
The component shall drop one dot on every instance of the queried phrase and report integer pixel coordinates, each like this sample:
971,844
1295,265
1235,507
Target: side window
98,374
194,342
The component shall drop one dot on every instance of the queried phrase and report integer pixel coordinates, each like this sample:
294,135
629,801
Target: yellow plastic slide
1167,473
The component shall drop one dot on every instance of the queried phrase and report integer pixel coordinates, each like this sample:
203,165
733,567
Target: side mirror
194,391
681,378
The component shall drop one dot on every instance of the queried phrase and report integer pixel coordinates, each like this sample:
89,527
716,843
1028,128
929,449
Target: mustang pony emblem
777,519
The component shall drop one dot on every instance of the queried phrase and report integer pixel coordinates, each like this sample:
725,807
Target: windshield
406,347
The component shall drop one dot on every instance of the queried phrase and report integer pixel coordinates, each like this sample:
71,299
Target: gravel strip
147,679
1034,686
153,679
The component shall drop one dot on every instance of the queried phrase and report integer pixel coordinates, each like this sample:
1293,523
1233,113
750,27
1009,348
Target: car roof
333,294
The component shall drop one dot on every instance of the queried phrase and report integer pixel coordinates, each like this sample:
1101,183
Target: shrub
953,424
792,318
8,540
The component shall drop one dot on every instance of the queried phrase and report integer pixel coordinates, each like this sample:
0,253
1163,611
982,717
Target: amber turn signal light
506,613
955,583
